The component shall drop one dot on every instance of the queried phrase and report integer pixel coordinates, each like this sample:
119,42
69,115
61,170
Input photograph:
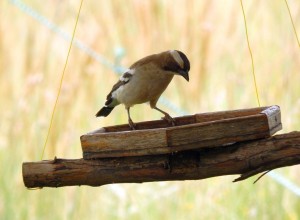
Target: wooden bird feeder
199,146
191,132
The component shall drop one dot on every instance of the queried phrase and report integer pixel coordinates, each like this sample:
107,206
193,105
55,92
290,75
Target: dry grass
211,33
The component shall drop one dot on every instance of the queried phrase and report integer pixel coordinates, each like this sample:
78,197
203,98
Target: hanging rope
61,81
295,31
250,51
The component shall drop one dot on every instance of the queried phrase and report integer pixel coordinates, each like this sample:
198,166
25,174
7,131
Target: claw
169,119
131,124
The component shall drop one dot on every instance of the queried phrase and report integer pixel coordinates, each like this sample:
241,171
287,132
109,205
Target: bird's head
177,63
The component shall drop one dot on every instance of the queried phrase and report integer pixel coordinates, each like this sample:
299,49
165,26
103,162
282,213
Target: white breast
147,83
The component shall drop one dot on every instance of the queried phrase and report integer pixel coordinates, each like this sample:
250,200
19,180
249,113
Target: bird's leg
130,122
167,117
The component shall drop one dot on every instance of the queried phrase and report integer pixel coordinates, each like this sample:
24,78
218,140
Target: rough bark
245,158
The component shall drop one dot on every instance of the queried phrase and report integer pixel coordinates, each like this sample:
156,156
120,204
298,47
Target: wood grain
185,120
192,132
220,115
245,158
117,140
224,129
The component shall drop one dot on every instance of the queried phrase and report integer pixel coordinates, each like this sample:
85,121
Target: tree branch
245,158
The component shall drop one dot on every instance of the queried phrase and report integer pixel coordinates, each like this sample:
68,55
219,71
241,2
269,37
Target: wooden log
191,132
245,158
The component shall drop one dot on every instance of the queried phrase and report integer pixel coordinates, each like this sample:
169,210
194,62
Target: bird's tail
105,111
109,106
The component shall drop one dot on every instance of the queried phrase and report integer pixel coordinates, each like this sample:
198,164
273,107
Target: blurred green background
212,35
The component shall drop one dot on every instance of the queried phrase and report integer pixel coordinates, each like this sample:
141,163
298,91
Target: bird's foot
131,124
169,119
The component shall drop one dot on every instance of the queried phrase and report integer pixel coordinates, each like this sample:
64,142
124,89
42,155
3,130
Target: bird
145,81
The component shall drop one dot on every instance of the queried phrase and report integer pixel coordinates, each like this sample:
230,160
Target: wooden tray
191,132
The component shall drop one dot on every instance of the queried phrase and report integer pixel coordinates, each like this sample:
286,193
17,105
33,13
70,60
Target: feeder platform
191,132
199,146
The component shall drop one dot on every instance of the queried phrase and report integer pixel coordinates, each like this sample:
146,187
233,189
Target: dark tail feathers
105,111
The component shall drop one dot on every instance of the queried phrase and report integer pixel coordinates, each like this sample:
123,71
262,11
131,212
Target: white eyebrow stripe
177,58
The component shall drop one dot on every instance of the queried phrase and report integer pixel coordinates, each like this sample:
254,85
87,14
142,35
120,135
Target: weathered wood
184,120
191,132
245,158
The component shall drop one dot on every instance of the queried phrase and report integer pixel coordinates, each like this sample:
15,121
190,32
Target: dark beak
185,75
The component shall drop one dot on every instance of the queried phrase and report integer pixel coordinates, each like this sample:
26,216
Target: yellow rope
295,31
253,70
61,81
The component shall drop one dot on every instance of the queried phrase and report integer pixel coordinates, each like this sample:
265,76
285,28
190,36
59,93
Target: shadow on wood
245,158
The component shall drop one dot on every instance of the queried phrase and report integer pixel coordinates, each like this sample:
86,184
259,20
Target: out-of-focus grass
211,33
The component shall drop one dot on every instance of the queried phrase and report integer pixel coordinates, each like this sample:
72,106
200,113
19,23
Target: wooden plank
185,120
118,140
274,118
205,134
226,127
246,158
213,116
